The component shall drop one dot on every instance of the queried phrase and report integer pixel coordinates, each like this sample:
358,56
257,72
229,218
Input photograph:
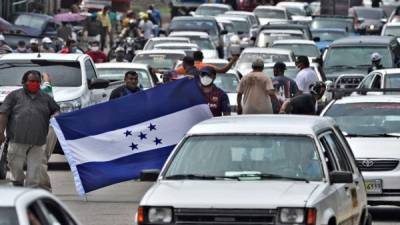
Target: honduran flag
112,142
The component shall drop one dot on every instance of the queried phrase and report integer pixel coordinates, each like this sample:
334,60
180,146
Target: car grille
225,216
348,81
377,165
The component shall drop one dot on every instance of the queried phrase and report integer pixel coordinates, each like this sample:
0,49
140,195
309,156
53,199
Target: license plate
373,186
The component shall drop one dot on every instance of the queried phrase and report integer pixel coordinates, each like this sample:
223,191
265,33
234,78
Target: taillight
311,216
140,216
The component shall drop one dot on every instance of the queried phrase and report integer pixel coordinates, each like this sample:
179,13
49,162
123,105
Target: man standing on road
104,18
306,76
217,99
119,55
146,26
131,86
257,90
286,87
375,62
198,63
95,53
25,113
189,67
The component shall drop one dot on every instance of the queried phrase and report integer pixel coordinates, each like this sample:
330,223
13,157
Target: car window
377,81
35,214
8,216
300,49
392,81
90,72
330,159
336,147
158,60
367,81
55,214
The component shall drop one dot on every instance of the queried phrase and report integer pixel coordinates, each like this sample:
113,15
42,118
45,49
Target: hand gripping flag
112,142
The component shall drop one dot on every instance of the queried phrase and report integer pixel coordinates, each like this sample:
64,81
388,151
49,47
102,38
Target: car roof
272,7
330,30
283,31
189,45
161,51
366,8
169,38
188,33
9,194
295,4
389,71
363,40
231,17
215,5
122,65
294,41
245,13
42,56
283,26
267,50
263,124
369,98
193,18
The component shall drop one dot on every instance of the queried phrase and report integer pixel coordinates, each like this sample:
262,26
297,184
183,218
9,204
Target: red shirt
98,57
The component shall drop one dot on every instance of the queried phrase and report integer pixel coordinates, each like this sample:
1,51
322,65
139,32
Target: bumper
390,187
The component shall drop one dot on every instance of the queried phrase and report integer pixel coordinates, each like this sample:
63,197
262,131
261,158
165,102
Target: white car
23,206
160,40
267,37
160,59
269,55
268,14
298,11
258,170
188,48
379,79
371,125
391,29
202,39
299,47
211,9
115,73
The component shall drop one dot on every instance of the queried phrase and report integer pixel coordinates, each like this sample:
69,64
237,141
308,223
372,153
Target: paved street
117,204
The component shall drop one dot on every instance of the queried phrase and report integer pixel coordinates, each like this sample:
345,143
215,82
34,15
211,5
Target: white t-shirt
305,78
147,28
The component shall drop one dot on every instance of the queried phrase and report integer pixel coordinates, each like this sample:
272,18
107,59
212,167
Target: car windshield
247,157
270,13
290,72
207,25
11,72
152,43
228,82
370,14
300,49
8,216
246,59
158,61
367,118
356,56
319,23
392,81
266,39
210,11
293,10
30,21
115,74
241,26
392,31
328,35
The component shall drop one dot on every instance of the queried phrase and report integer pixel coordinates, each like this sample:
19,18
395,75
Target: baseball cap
46,40
34,41
207,71
280,65
376,56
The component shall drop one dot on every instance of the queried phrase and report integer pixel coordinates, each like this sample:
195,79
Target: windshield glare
8,216
210,11
227,82
115,74
335,24
241,26
366,118
356,56
392,31
158,61
11,72
30,21
152,43
370,14
300,49
328,35
238,155
266,39
206,25
268,13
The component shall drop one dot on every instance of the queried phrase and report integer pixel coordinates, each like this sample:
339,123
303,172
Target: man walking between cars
256,90
25,113
306,76
131,86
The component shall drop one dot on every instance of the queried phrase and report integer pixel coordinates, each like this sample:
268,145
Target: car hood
332,74
367,147
60,93
225,194
264,21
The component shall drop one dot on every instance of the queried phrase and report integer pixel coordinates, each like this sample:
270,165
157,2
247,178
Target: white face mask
206,80
95,48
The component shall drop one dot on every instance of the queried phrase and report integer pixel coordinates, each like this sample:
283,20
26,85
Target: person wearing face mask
217,99
4,47
34,45
375,62
306,76
95,53
119,55
71,47
21,47
131,86
25,114
47,45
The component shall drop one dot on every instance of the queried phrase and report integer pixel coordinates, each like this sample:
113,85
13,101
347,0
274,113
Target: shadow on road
385,214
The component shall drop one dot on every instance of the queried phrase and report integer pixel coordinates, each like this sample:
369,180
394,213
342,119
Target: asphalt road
117,204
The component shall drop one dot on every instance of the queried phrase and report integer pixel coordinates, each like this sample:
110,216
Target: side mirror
340,177
316,39
360,20
98,84
192,13
149,175
223,32
384,20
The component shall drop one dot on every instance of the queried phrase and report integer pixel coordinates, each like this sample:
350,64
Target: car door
344,194
55,214
96,95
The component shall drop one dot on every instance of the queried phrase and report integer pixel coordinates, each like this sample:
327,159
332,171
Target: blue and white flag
112,142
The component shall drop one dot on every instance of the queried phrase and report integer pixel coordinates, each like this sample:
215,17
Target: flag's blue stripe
95,175
131,109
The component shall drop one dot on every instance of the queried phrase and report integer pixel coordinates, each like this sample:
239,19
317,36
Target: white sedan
23,206
275,169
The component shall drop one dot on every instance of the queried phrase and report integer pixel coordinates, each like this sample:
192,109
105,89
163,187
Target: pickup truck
30,25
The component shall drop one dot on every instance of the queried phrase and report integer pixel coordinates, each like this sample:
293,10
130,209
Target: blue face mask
74,49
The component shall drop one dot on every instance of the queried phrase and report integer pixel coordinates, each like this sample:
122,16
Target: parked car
268,14
371,125
323,37
380,79
299,47
212,9
160,40
23,206
269,55
296,170
368,20
202,39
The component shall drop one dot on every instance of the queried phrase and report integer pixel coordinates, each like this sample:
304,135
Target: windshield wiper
198,177
272,176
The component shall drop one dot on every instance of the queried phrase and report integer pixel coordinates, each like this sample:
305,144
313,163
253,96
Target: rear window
8,216
206,25
62,73
270,13
158,61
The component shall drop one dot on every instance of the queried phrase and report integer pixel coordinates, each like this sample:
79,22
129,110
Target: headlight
292,215
372,26
159,215
69,106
